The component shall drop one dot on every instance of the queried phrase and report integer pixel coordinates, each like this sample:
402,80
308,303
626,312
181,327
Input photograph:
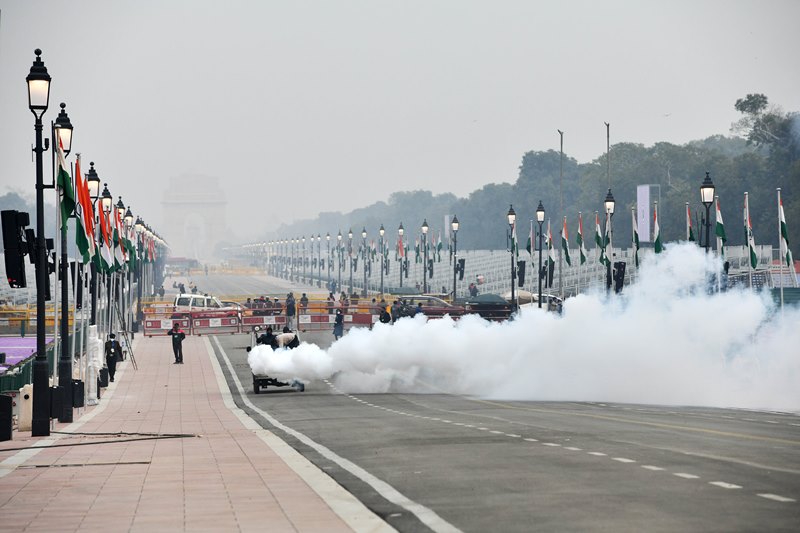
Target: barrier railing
161,324
215,325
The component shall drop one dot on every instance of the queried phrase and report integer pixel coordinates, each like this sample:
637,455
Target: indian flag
84,229
579,238
106,255
748,233
65,190
786,253
719,231
689,228
635,237
551,252
598,239
514,247
565,243
658,246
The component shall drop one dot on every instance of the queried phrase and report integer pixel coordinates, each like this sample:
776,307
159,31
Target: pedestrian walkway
211,468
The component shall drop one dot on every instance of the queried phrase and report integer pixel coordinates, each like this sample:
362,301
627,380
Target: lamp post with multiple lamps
381,232
364,259
512,218
707,198
305,279
319,260
403,258
454,227
425,256
328,264
38,100
609,207
540,220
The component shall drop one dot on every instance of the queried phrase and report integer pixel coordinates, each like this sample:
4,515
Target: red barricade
161,324
249,322
208,324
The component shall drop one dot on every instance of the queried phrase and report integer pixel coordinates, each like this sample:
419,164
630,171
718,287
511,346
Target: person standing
113,351
177,335
291,310
338,325
303,304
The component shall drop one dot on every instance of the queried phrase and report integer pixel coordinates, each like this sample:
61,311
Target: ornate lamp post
339,247
364,259
609,206
106,201
328,239
454,227
38,100
707,198
350,253
381,233
512,218
540,220
403,258
425,256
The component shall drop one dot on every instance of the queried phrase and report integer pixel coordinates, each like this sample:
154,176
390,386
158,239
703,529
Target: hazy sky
303,106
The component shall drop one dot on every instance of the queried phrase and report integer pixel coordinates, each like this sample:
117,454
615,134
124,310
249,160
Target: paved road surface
477,465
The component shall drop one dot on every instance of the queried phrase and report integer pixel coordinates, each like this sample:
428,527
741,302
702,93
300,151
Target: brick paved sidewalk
227,478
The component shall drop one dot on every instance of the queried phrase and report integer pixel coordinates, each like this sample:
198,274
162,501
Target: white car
199,302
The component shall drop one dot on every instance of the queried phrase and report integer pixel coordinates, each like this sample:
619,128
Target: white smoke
665,340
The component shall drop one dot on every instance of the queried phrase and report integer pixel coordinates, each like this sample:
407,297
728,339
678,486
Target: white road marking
793,424
775,497
447,421
513,435
598,454
484,429
771,422
623,460
551,444
468,426
651,467
686,476
496,432
424,514
572,448
531,440
724,485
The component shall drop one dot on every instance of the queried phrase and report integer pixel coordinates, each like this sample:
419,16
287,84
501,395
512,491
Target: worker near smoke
113,352
177,335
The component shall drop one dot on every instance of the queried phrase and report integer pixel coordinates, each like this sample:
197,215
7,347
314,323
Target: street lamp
339,259
62,133
425,256
403,258
319,260
328,239
540,220
512,219
707,198
38,100
305,279
364,259
454,227
609,205
350,253
381,232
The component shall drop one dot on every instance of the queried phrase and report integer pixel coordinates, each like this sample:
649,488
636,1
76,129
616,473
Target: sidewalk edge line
351,510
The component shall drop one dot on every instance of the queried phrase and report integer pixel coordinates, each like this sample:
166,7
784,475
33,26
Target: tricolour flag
84,229
689,228
565,243
514,246
748,233
579,238
658,246
786,253
65,191
529,246
551,252
106,255
635,237
598,239
719,231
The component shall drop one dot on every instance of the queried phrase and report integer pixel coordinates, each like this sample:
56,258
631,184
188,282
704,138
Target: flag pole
720,257
580,253
55,292
780,246
748,232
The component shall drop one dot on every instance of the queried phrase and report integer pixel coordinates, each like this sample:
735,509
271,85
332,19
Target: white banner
643,212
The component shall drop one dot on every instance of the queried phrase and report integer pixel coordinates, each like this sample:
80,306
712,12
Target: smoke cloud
665,340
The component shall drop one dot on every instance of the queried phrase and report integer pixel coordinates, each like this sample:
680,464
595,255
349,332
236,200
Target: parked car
432,306
186,304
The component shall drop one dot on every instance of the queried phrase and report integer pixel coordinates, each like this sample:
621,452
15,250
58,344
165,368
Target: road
444,462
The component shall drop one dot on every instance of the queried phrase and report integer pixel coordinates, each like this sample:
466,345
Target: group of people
287,338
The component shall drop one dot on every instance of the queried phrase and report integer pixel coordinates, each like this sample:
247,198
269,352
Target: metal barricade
160,324
213,325
249,322
316,322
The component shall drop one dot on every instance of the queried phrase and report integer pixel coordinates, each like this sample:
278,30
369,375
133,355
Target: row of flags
115,243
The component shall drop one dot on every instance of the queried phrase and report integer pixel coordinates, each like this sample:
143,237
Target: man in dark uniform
177,342
266,338
113,350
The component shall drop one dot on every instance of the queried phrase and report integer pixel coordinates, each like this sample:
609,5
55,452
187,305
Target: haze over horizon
302,107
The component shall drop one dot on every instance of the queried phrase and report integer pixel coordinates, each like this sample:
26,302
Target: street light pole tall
454,225
339,259
93,184
319,260
512,218
350,253
707,198
38,98
364,259
328,239
62,134
425,255
403,258
609,205
540,220
382,231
